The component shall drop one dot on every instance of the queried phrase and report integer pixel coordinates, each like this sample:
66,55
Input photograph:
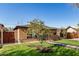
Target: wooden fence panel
72,35
8,37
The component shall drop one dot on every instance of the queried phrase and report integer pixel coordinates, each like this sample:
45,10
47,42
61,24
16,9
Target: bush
44,49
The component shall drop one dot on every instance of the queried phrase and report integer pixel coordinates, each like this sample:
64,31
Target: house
21,33
72,32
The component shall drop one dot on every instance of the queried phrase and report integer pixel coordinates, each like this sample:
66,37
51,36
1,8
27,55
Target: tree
38,28
78,25
76,5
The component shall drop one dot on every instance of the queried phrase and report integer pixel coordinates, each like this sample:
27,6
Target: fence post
18,37
1,36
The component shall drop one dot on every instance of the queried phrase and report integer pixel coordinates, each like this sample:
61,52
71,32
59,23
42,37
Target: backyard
30,49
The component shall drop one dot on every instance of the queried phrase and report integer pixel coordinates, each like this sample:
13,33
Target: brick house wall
22,34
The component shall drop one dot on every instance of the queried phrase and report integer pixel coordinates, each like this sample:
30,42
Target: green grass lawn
70,42
29,49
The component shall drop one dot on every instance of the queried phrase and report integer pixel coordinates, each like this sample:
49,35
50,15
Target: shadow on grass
30,52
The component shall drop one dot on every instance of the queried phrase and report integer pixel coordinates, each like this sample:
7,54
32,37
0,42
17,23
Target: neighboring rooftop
72,28
20,26
2,25
26,26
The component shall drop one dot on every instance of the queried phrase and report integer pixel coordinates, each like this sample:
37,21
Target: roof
2,25
26,26
50,27
20,26
72,28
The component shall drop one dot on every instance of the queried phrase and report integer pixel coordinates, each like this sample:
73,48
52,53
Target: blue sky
53,14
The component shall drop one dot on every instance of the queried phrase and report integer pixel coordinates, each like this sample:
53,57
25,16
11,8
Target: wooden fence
72,35
8,37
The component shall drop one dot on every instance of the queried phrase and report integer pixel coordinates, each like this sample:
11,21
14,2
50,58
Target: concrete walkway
65,45
76,39
71,46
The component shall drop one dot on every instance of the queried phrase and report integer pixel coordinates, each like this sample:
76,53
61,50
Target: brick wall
22,34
